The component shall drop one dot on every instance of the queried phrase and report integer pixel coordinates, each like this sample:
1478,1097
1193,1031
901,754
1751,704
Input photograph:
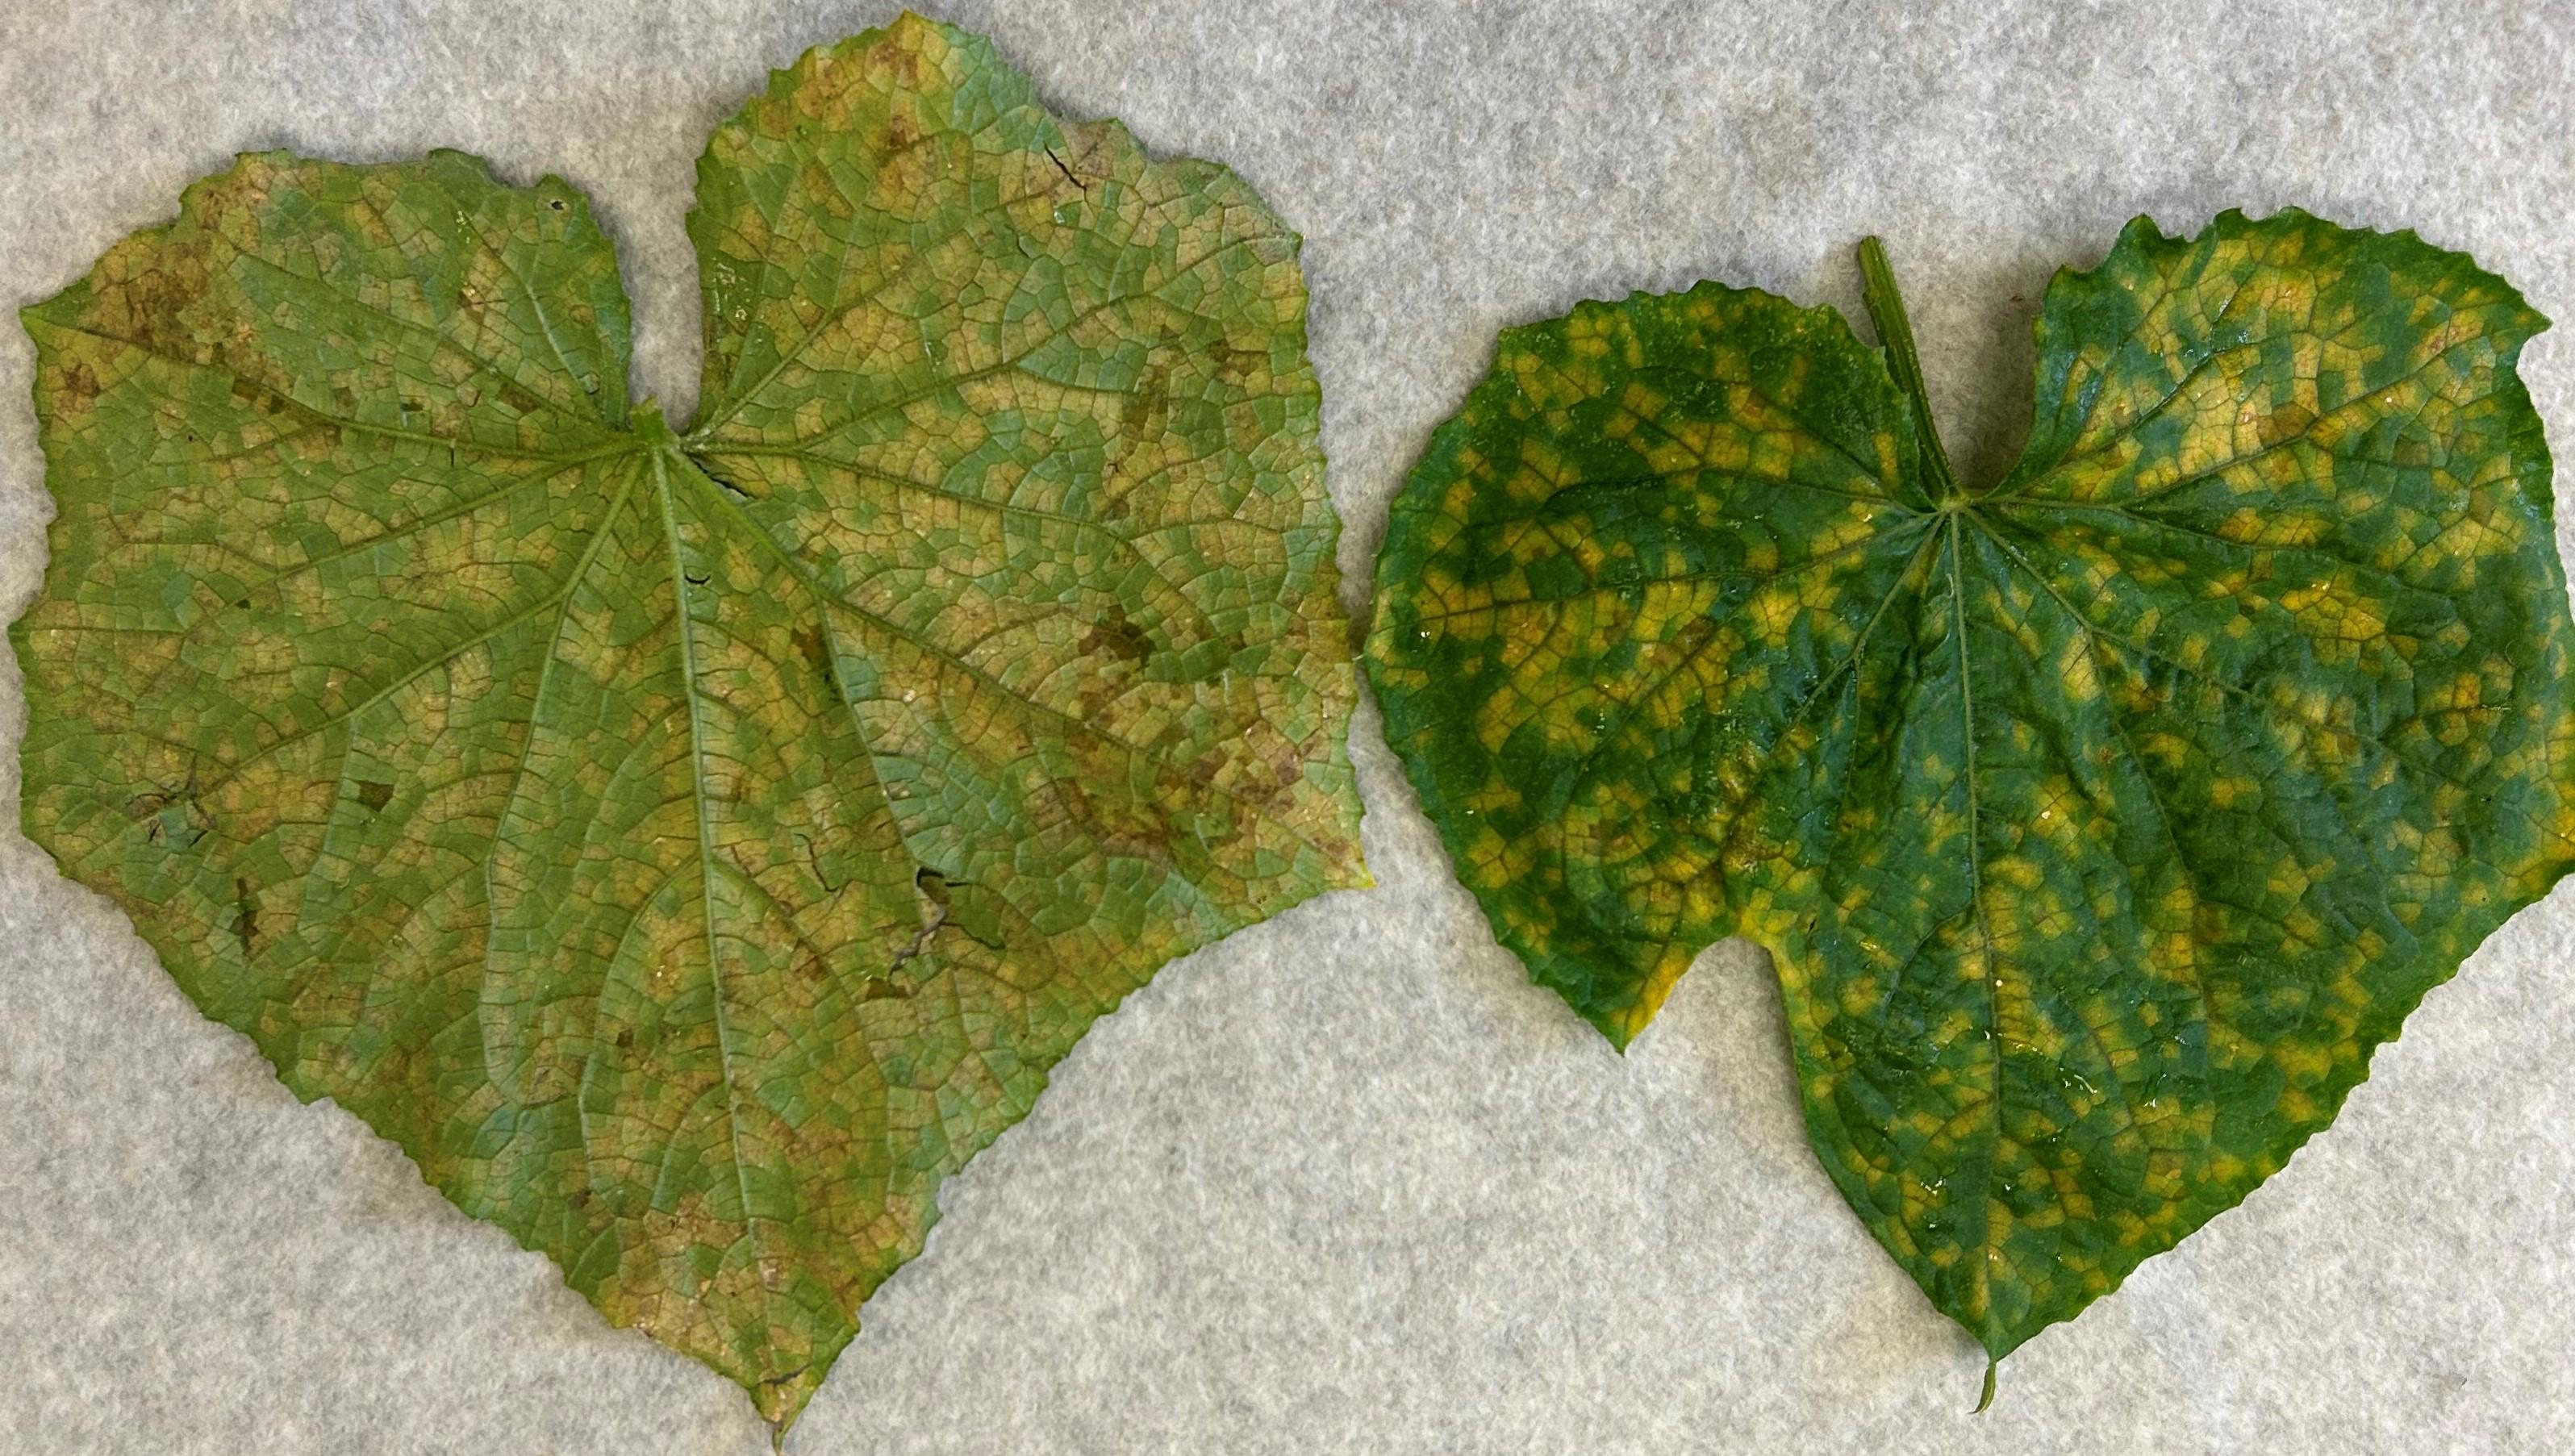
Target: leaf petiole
1895,335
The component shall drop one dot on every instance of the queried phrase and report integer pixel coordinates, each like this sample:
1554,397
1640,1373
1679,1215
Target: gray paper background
1344,1183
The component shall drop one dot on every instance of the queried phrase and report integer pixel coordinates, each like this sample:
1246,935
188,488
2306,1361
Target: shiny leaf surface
2100,824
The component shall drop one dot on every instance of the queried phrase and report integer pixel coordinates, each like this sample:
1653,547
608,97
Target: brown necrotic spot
1147,398
245,915
77,387
1118,636
809,646
1233,365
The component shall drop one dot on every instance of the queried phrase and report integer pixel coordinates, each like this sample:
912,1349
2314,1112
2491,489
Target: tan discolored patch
692,847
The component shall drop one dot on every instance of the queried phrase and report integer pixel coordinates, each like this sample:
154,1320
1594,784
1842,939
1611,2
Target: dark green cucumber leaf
2100,823
693,846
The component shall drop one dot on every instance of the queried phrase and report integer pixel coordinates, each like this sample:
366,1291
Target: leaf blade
2156,791
690,856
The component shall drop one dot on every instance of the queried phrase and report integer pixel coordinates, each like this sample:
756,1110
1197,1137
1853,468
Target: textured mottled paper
1347,1181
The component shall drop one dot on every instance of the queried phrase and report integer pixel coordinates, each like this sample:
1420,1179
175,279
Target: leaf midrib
685,623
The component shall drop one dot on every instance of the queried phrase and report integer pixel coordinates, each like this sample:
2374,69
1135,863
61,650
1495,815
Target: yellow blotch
2227,790
2077,670
1540,474
1657,987
1726,449
1642,401
2305,1065
1883,446
1772,613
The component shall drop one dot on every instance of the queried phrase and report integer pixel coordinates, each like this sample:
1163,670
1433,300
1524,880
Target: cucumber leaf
692,846
2099,823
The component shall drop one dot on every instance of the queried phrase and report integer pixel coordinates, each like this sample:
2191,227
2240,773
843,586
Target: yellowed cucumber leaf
692,846
2101,820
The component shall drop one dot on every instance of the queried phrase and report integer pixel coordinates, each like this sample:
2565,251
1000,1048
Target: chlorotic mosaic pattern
2101,822
693,846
